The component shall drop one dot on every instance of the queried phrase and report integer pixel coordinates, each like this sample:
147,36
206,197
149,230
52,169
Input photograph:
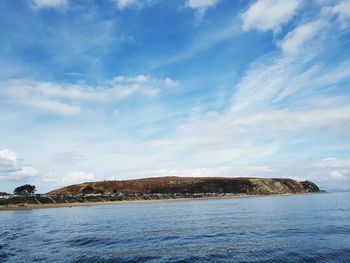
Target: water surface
301,228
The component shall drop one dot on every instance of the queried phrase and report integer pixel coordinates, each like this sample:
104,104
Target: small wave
88,241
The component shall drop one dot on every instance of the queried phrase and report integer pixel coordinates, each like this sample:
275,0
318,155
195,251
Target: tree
87,190
25,190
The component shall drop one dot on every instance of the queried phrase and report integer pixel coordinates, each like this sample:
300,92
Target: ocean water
301,228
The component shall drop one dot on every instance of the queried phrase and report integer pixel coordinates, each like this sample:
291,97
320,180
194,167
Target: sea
297,228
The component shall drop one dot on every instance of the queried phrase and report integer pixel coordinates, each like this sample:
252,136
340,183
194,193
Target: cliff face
254,186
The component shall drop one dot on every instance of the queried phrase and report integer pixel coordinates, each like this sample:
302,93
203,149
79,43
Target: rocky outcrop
192,185
310,187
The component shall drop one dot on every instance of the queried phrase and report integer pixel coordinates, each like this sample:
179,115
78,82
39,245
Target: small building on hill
4,195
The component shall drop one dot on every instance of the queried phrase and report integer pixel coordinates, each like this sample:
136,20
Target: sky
122,89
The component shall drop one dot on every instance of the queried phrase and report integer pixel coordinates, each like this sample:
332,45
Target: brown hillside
196,185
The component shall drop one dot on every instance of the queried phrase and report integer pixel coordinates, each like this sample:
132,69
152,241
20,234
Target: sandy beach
77,204
40,206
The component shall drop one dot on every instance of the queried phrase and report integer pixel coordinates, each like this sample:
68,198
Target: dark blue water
304,228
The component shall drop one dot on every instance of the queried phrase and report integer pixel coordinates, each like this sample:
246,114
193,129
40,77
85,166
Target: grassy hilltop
191,185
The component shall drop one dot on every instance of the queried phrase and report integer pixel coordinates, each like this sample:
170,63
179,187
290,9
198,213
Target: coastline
15,207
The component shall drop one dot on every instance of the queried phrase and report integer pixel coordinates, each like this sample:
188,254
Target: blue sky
119,89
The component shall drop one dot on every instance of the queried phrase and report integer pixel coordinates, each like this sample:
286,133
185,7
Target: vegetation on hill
183,185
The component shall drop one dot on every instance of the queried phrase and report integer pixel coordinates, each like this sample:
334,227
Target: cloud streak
64,98
56,4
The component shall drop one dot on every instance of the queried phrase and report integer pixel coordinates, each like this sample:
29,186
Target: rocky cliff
192,185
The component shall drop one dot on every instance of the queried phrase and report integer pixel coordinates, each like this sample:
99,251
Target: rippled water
304,228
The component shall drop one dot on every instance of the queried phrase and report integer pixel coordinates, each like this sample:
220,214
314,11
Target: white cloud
76,177
8,155
230,131
341,11
121,4
223,171
333,168
64,99
201,7
52,106
267,15
334,163
268,83
50,4
336,175
263,84
201,4
296,39
194,172
12,168
272,104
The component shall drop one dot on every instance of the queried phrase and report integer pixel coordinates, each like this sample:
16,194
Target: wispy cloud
200,43
324,171
201,6
64,98
57,4
283,109
341,11
266,85
121,4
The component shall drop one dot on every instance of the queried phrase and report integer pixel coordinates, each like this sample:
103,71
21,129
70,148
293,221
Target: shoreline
15,207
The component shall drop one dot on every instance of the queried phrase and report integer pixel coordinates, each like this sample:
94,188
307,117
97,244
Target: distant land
338,190
193,185
162,188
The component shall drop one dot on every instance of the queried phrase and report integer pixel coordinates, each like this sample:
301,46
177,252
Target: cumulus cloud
267,15
64,98
8,155
296,39
12,168
58,4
